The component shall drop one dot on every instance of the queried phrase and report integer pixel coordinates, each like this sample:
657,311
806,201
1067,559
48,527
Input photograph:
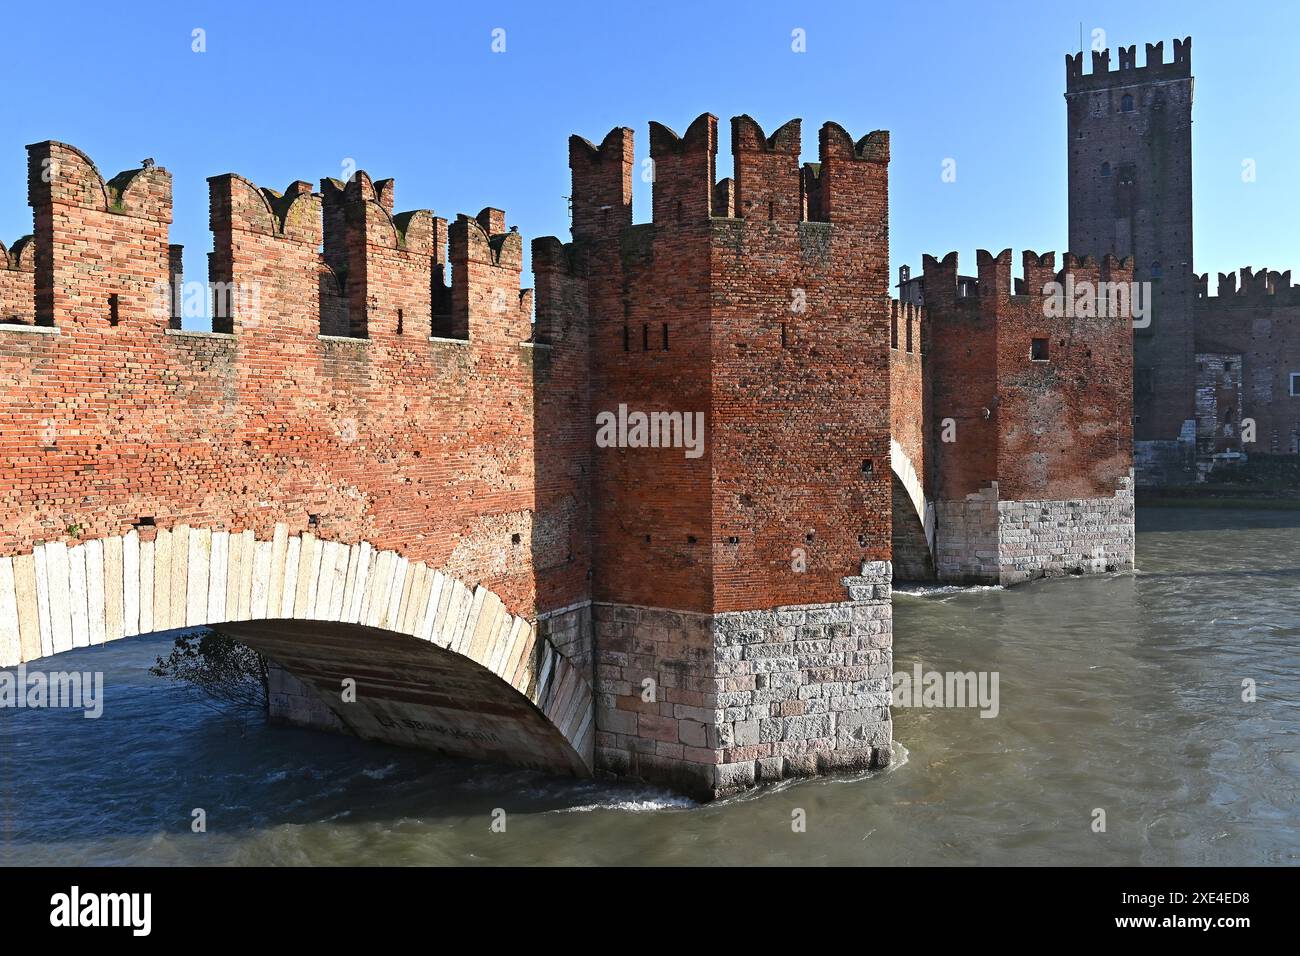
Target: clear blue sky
414,91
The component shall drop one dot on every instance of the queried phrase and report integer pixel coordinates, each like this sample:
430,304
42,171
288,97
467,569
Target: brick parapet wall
418,444
1031,403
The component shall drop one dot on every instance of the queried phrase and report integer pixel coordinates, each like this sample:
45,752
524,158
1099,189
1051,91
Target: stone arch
438,664
913,520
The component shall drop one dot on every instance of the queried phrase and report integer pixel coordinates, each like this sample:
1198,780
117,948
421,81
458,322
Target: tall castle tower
1130,181
740,585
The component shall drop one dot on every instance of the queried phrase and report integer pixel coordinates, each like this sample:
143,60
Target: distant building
912,290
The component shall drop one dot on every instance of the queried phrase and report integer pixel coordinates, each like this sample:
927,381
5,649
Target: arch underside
913,521
412,693
437,664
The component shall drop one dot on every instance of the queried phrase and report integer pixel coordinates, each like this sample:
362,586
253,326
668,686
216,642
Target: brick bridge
378,467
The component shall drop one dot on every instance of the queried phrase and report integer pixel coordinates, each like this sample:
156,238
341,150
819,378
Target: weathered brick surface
909,417
908,396
772,322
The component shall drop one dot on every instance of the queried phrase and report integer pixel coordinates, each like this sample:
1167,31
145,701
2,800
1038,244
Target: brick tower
1130,188
741,585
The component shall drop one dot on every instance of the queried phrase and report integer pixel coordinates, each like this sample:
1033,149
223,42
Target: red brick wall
562,417
422,446
1065,425
800,371
796,399
648,503
960,365
1057,429
908,395
18,282
96,239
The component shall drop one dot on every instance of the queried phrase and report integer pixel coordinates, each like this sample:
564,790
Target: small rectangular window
1038,350
1295,384
1144,381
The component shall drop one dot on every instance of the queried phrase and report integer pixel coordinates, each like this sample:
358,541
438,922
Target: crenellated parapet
768,177
324,396
1104,74
853,180
486,263
1088,284
1249,286
391,264
20,257
80,275
264,271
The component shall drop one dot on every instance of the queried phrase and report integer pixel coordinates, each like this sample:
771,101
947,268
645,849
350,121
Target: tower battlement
1127,71
768,182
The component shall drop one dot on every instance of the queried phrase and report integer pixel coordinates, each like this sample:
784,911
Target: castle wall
728,600
562,423
909,411
801,372
1248,347
419,445
1041,387
649,290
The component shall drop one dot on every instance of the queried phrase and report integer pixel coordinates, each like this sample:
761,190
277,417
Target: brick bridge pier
379,467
